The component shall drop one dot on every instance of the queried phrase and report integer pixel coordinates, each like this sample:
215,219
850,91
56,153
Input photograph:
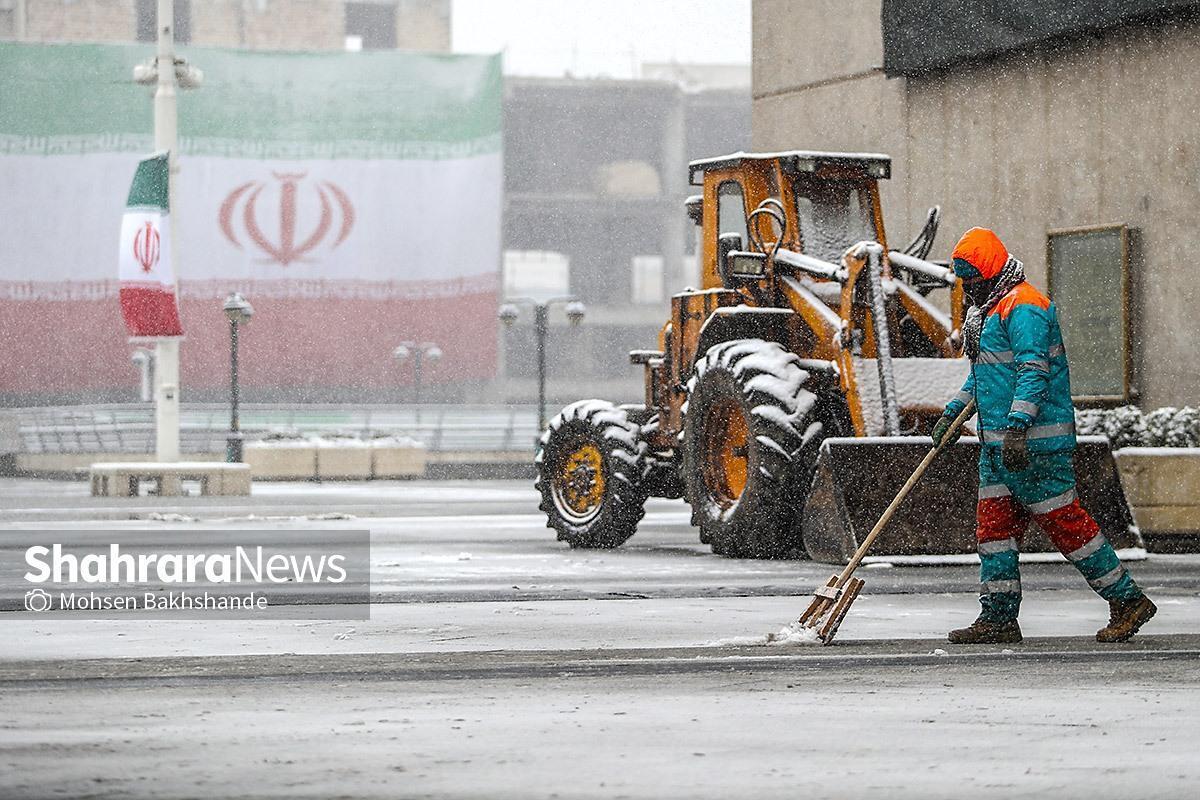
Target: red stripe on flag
53,347
150,312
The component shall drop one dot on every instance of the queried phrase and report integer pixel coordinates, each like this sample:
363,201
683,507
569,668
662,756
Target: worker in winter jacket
1022,389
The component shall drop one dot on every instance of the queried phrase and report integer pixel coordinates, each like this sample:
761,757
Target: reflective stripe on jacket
1021,378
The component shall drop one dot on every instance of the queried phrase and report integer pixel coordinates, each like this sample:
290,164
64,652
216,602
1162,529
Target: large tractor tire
591,469
750,443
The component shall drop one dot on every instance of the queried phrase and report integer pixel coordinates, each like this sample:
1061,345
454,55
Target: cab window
833,215
731,209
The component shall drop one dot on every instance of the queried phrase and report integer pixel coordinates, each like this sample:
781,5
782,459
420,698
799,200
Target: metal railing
203,427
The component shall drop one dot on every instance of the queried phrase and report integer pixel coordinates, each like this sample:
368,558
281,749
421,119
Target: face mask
978,293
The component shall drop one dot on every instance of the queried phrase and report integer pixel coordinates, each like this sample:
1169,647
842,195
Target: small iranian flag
148,301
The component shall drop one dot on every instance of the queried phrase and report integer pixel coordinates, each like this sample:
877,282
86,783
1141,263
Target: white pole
166,372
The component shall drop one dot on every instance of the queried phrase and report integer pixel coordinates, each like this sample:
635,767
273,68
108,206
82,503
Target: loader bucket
856,480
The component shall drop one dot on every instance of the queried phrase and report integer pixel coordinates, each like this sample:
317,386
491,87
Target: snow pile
283,439
1173,427
1127,426
1124,427
796,633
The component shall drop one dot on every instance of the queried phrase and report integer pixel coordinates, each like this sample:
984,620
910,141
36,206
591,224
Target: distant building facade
595,171
1045,121
595,184
257,24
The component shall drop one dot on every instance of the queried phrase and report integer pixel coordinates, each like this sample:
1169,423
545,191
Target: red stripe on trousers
1000,518
1069,527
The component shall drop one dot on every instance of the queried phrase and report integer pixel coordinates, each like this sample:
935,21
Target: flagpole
166,366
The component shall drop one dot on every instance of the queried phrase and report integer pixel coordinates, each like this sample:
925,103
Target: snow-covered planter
397,457
292,456
281,458
1163,486
343,458
1158,457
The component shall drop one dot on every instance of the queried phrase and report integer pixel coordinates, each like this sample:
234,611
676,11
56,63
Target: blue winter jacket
1021,378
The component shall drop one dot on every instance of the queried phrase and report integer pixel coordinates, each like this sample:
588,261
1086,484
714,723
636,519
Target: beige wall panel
799,42
297,25
423,28
220,23
980,151
92,21
862,115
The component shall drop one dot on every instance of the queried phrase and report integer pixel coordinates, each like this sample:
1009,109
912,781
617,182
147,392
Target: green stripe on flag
72,98
150,184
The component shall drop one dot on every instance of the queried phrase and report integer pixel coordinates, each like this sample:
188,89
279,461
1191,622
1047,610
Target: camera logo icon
38,600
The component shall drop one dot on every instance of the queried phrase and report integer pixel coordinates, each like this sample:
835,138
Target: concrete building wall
1099,130
818,84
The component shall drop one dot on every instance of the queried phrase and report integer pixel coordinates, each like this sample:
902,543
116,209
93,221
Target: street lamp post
238,310
417,353
509,312
166,72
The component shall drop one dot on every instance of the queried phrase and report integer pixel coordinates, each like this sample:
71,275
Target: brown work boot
983,631
1125,617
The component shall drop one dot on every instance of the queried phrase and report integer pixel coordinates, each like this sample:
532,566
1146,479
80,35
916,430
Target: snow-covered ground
499,663
704,622
677,727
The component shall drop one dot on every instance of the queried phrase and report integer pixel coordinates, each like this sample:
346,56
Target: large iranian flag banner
353,198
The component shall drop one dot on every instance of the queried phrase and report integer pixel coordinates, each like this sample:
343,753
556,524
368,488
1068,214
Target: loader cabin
830,201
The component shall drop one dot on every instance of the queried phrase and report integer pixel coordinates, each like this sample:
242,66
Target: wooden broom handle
861,552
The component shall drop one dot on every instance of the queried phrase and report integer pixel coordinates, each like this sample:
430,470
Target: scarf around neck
1010,277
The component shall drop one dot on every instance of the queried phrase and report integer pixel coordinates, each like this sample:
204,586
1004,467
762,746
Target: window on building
536,273
373,23
1087,272
147,21
647,279
731,209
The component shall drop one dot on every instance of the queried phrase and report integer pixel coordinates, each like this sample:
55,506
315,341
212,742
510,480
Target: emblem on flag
146,246
288,245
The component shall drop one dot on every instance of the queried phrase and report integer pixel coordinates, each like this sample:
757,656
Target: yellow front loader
791,395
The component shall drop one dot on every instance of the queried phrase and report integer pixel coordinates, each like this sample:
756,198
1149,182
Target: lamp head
575,312
238,308
508,314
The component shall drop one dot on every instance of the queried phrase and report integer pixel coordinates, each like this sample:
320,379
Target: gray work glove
942,427
1014,453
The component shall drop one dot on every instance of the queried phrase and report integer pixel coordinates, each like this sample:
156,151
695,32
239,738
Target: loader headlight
751,265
